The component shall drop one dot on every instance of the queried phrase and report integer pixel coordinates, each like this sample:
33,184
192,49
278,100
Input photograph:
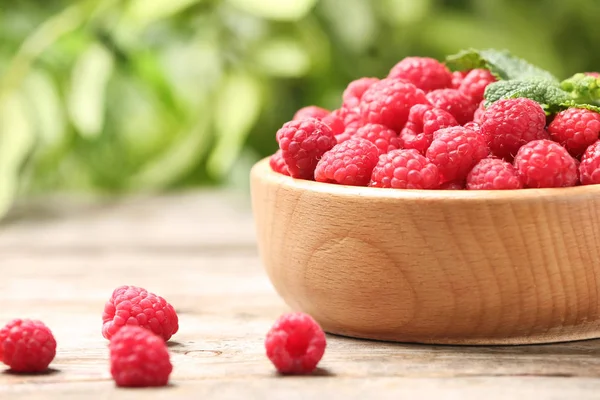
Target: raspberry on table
508,124
135,306
575,129
461,106
455,151
383,137
27,345
389,101
139,358
311,112
405,169
423,121
295,344
424,72
457,78
493,174
355,90
302,144
278,164
475,82
348,163
545,164
589,168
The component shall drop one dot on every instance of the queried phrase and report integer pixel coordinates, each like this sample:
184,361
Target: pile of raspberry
424,127
138,324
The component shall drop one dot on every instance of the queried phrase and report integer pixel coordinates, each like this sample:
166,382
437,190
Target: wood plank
226,305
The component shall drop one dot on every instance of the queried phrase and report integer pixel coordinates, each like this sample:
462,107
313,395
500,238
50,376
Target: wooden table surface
61,260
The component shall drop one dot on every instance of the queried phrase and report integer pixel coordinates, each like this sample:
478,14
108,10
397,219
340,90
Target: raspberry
311,112
455,151
384,138
131,305
423,121
295,344
424,72
355,90
545,164
349,163
453,185
27,345
278,164
389,101
457,78
509,124
302,144
575,129
479,112
475,82
405,169
589,169
455,102
493,174
335,121
139,358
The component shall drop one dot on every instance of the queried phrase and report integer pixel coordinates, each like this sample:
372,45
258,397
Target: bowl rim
262,170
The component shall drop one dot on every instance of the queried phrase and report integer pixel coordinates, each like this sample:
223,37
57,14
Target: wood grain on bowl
460,267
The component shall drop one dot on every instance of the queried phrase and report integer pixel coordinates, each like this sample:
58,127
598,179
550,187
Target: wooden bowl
455,267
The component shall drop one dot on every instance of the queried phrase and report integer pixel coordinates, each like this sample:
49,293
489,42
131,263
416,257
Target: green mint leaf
501,63
583,88
573,104
545,92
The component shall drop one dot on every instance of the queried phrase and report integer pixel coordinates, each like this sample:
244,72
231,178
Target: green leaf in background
283,58
237,108
583,88
282,10
545,92
144,12
500,63
16,142
43,99
86,98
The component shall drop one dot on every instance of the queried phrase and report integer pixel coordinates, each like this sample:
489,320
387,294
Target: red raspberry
405,169
589,168
302,144
131,305
139,358
423,121
355,90
455,151
335,121
349,163
384,138
389,101
311,112
453,185
456,103
493,174
575,129
295,344
479,112
545,164
278,164
509,124
475,82
457,78
27,345
424,72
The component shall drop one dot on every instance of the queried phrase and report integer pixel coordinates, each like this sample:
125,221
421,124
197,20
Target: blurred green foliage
111,96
